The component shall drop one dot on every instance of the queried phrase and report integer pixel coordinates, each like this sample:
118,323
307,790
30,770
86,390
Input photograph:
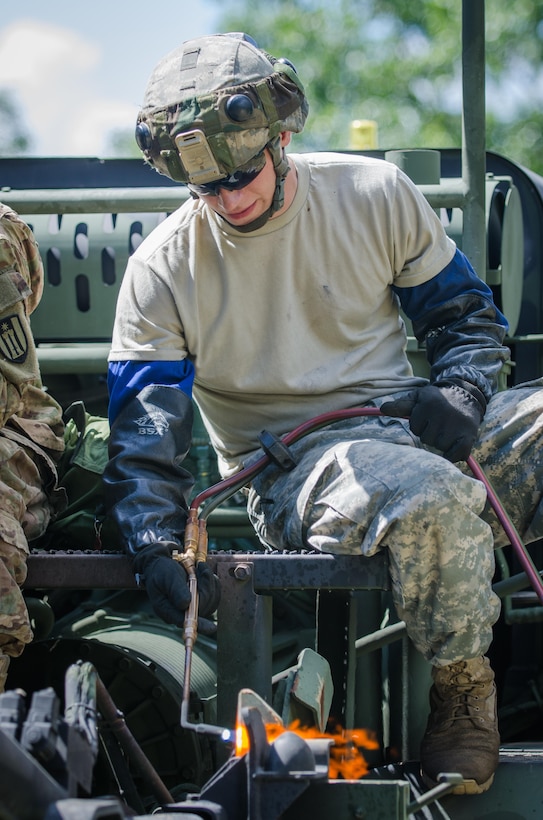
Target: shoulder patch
13,339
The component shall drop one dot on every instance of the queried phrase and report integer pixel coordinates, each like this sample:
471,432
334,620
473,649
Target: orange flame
346,760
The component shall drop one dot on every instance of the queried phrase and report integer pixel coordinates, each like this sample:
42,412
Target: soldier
274,295
31,434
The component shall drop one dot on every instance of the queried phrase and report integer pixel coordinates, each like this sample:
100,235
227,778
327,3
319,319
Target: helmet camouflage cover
212,105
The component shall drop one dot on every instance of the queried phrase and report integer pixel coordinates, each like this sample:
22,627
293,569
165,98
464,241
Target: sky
77,69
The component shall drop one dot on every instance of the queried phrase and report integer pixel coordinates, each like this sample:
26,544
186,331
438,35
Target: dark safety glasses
235,182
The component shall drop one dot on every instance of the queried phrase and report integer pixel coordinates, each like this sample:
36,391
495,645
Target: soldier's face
240,207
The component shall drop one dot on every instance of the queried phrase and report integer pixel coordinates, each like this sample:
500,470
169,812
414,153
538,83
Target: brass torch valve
195,552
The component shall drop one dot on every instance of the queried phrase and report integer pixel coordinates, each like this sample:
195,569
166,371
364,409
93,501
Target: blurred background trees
399,63
14,139
396,62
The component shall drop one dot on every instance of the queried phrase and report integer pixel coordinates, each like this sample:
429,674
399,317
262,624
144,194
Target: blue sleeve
126,379
454,316
457,279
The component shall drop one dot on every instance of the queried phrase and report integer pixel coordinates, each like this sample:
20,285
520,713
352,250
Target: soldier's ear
285,138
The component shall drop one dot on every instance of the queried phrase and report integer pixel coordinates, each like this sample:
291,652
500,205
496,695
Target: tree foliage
121,143
399,63
13,137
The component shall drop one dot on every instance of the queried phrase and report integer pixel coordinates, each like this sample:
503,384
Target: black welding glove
166,583
146,489
443,415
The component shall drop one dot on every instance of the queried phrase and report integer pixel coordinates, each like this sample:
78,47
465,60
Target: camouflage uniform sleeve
23,401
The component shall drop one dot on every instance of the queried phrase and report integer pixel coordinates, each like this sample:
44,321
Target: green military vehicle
111,713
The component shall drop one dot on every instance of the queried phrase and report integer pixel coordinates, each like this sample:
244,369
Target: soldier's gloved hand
445,417
166,582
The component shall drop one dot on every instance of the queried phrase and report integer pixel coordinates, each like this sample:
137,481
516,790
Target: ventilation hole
81,241
108,225
82,293
445,215
108,266
53,224
495,229
136,236
52,267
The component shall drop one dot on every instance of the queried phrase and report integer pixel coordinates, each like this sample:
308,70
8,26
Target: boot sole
468,786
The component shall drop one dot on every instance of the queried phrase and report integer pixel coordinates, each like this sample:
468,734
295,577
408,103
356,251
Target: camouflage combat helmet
213,105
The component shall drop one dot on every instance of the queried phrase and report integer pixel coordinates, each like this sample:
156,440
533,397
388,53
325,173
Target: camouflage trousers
24,515
367,484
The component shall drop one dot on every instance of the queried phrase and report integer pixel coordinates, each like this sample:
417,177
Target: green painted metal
143,666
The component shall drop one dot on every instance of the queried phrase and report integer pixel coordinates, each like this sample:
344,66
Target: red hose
509,528
243,477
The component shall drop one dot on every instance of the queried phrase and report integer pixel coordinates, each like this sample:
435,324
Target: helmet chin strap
282,167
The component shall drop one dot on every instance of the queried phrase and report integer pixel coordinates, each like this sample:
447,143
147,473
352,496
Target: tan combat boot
462,732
